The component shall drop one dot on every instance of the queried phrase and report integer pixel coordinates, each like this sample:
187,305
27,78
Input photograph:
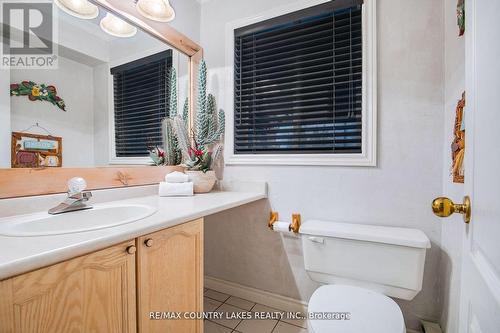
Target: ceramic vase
203,182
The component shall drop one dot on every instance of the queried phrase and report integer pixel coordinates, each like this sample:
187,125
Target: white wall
83,36
74,83
452,228
187,18
397,192
101,85
5,132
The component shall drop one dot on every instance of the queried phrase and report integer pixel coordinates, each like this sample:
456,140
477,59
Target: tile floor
220,302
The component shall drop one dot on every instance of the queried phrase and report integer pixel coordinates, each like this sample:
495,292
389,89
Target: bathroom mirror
99,109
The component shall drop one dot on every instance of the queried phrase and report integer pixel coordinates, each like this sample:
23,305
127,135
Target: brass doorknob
131,249
444,207
148,242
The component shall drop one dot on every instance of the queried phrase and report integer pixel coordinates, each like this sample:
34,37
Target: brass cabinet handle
131,249
444,207
148,242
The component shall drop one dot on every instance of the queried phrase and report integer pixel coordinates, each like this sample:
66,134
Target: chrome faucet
77,198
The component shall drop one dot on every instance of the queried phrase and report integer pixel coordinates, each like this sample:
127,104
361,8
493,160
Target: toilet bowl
353,310
360,266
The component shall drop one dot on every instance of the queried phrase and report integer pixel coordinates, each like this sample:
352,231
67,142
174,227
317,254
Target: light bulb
117,27
156,10
78,8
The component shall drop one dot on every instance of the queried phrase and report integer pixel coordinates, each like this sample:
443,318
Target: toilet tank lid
370,233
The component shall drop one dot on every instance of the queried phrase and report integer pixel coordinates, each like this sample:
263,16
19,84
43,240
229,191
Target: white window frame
113,159
368,157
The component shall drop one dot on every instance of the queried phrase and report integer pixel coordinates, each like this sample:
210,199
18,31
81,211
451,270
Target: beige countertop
23,254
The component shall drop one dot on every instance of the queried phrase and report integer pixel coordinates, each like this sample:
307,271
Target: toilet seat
369,311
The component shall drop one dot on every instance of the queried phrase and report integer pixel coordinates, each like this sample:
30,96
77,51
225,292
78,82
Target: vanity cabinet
97,292
92,293
170,277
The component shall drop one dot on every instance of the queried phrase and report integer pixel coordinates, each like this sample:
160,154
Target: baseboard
256,295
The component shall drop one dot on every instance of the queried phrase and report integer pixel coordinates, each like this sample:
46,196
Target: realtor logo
29,34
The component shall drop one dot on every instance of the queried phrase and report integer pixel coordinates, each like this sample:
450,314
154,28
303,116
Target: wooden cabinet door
170,277
92,293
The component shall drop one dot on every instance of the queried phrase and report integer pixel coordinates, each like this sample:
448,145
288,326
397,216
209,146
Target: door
170,278
92,293
480,291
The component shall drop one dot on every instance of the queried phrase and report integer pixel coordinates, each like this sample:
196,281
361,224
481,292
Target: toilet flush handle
319,240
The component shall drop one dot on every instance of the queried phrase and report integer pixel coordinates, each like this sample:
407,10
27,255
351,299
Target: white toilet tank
388,260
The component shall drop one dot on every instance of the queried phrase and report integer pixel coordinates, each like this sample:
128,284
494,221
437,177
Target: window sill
130,161
304,160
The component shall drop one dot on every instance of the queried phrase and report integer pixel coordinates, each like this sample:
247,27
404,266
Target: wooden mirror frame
43,181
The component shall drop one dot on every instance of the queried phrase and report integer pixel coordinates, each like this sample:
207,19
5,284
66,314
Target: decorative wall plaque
35,150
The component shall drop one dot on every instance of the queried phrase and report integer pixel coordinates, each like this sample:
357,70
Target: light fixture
117,27
78,8
156,10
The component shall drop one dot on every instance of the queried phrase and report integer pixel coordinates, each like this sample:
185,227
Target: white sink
99,217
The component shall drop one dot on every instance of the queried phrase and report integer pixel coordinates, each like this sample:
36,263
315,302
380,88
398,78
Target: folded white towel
176,189
176,177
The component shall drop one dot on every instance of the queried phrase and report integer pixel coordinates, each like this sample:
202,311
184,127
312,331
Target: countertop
22,254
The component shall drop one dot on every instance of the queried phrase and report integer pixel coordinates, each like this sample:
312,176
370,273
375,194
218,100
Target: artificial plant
170,154
204,146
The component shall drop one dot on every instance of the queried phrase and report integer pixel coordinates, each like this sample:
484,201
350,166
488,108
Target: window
140,103
299,88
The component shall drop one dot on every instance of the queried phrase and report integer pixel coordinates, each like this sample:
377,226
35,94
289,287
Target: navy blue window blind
298,82
140,102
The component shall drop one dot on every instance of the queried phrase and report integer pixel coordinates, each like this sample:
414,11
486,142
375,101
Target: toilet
360,267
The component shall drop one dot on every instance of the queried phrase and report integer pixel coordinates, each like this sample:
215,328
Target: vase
203,182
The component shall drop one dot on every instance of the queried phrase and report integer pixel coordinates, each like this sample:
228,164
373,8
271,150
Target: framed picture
35,150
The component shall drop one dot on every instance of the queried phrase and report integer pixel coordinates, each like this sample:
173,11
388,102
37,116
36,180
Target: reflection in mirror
103,104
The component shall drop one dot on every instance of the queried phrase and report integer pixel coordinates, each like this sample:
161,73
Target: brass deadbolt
444,207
